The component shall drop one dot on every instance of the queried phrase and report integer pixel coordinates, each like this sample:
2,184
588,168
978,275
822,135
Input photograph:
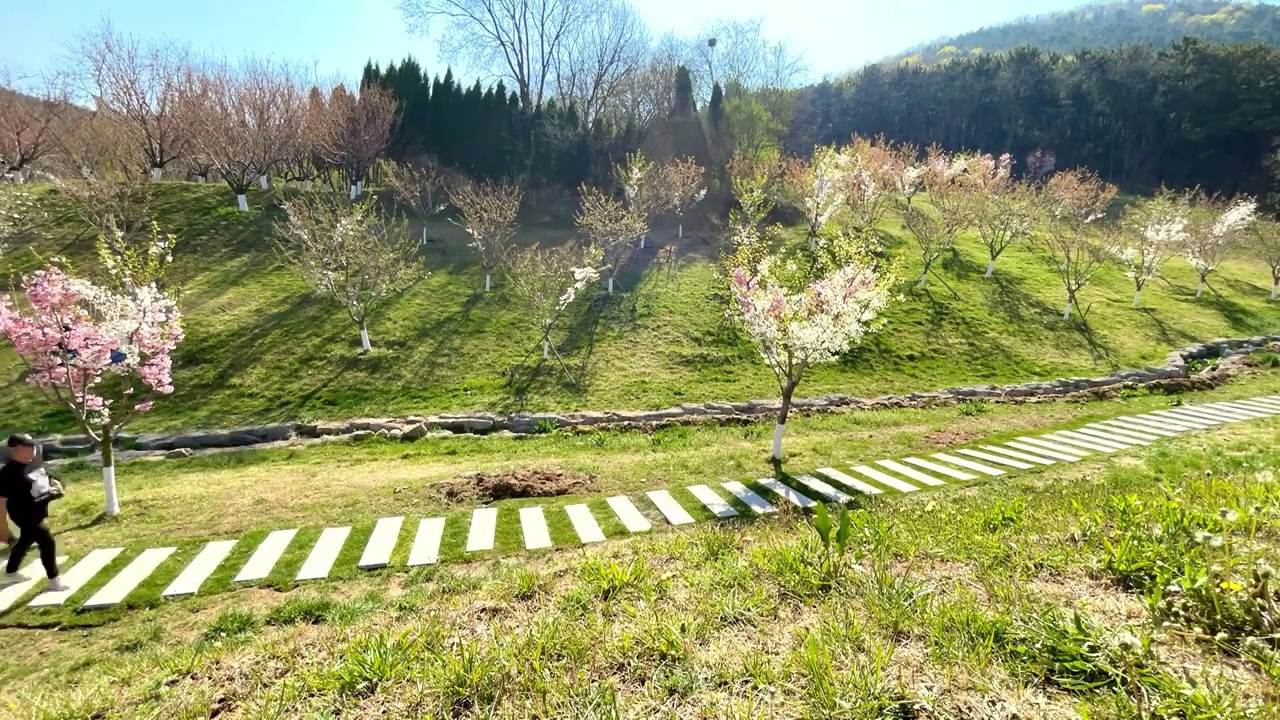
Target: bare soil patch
485,487
942,438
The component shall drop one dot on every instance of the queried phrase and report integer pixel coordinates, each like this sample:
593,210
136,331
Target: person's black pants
34,535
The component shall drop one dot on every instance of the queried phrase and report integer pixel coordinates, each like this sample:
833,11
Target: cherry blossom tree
1215,230
1004,210
103,354
489,211
1077,242
1156,230
29,121
19,213
611,226
351,251
415,185
357,131
1263,240
935,230
547,280
640,180
817,188
680,180
870,179
803,311
906,174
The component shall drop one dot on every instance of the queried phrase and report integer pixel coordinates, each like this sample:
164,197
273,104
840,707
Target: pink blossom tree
102,353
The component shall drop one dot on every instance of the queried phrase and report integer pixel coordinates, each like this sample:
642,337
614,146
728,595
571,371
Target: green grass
261,347
1015,593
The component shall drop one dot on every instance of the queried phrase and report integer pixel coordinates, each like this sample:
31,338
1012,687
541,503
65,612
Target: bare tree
648,93
415,185
489,211
276,110
225,136
140,85
547,280
935,232
736,52
600,57
517,39
612,226
1264,241
357,131
1078,243
353,252
31,115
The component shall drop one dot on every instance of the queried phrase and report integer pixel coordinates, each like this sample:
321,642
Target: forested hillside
1111,24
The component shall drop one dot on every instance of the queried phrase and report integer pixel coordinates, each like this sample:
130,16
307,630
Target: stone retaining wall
1174,376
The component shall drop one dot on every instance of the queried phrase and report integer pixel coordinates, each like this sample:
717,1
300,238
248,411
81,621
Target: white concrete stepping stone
114,592
1256,407
713,501
1111,437
912,473
1087,444
969,464
1026,457
1050,451
885,479
785,491
1199,414
202,566
824,488
630,516
1230,414
1198,423
1266,403
534,526
1163,423
31,575
264,559
1246,413
77,577
1132,426
1128,432
997,459
484,523
324,554
382,542
1098,438
672,510
426,543
758,505
940,469
584,523
850,482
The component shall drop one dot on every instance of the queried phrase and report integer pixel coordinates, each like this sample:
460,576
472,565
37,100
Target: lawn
261,347
1117,587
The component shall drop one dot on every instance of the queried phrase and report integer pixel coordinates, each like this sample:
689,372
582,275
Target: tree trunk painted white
263,183
680,231
364,339
991,268
1136,297
156,173
200,179
611,286
811,243
359,187
109,489
424,235
242,202
355,191
546,349
1066,315
642,237
923,276
486,282
1200,288
1275,288
778,429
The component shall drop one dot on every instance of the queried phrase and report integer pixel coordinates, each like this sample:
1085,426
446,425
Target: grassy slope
957,601
260,347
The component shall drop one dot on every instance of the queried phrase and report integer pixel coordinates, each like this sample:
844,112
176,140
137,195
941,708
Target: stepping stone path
878,477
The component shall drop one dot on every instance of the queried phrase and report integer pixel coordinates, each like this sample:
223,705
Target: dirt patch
943,438
482,487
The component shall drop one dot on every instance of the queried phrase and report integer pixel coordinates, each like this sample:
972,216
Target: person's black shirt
15,488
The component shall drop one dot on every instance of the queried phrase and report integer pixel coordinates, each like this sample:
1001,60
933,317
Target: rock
414,432
308,430
384,432
361,435
395,434
179,453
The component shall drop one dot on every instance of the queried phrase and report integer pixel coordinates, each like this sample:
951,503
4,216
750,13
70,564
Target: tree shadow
1168,337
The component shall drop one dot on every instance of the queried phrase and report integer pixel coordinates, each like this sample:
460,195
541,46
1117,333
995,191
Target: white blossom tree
417,186
1215,230
1004,210
640,180
870,181
1264,241
352,252
489,212
1156,230
547,280
680,181
935,231
611,227
1077,242
817,187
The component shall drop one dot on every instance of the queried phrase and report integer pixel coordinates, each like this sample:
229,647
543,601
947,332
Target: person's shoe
56,585
11,579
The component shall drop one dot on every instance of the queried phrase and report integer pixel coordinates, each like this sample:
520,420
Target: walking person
25,492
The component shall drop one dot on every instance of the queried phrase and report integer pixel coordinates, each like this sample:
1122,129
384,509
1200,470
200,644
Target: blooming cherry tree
1004,210
547,280
1078,244
611,226
680,183
103,354
870,179
489,211
935,231
1215,230
1264,240
817,187
1157,230
352,252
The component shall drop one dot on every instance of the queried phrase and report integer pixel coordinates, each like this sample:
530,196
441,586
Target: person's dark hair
20,439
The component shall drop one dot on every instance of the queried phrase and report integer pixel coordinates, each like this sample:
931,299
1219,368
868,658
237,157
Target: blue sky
338,36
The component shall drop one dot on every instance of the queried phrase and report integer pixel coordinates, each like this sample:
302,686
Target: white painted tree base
243,203
156,174
1066,314
1137,297
112,506
263,183
778,430
364,340
991,269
